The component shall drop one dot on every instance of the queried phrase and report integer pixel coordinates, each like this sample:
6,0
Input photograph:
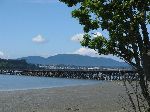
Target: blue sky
22,20
38,28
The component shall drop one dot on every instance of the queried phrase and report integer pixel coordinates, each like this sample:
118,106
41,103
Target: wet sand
103,97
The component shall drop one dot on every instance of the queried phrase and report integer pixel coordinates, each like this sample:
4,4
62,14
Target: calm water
13,82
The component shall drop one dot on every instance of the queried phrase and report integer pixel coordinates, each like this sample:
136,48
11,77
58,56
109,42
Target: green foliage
125,21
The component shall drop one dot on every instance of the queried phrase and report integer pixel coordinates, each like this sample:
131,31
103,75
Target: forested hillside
15,64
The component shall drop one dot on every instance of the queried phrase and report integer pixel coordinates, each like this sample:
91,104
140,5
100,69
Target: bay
14,82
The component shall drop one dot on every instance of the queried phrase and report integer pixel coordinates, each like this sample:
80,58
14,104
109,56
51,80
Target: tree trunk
144,88
146,64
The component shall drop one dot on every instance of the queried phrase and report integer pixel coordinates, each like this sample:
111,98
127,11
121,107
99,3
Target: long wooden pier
96,74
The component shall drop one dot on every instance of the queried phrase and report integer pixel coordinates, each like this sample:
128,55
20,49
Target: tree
126,22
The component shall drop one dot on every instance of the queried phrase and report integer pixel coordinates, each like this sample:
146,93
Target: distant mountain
34,59
74,59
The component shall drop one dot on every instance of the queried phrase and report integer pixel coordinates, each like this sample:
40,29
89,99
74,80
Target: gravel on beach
102,97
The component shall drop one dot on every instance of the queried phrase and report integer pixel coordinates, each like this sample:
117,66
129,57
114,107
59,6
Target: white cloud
93,53
87,51
1,54
97,34
38,39
77,37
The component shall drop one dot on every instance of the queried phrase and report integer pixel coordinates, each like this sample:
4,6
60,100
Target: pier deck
96,74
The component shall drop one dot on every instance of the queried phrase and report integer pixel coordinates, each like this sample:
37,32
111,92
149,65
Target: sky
36,27
39,28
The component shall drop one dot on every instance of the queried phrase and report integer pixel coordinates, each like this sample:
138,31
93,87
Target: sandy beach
103,97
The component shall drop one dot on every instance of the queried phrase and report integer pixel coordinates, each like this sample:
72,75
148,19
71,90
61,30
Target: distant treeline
16,64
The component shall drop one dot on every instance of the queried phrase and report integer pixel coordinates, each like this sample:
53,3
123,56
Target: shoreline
101,97
47,88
